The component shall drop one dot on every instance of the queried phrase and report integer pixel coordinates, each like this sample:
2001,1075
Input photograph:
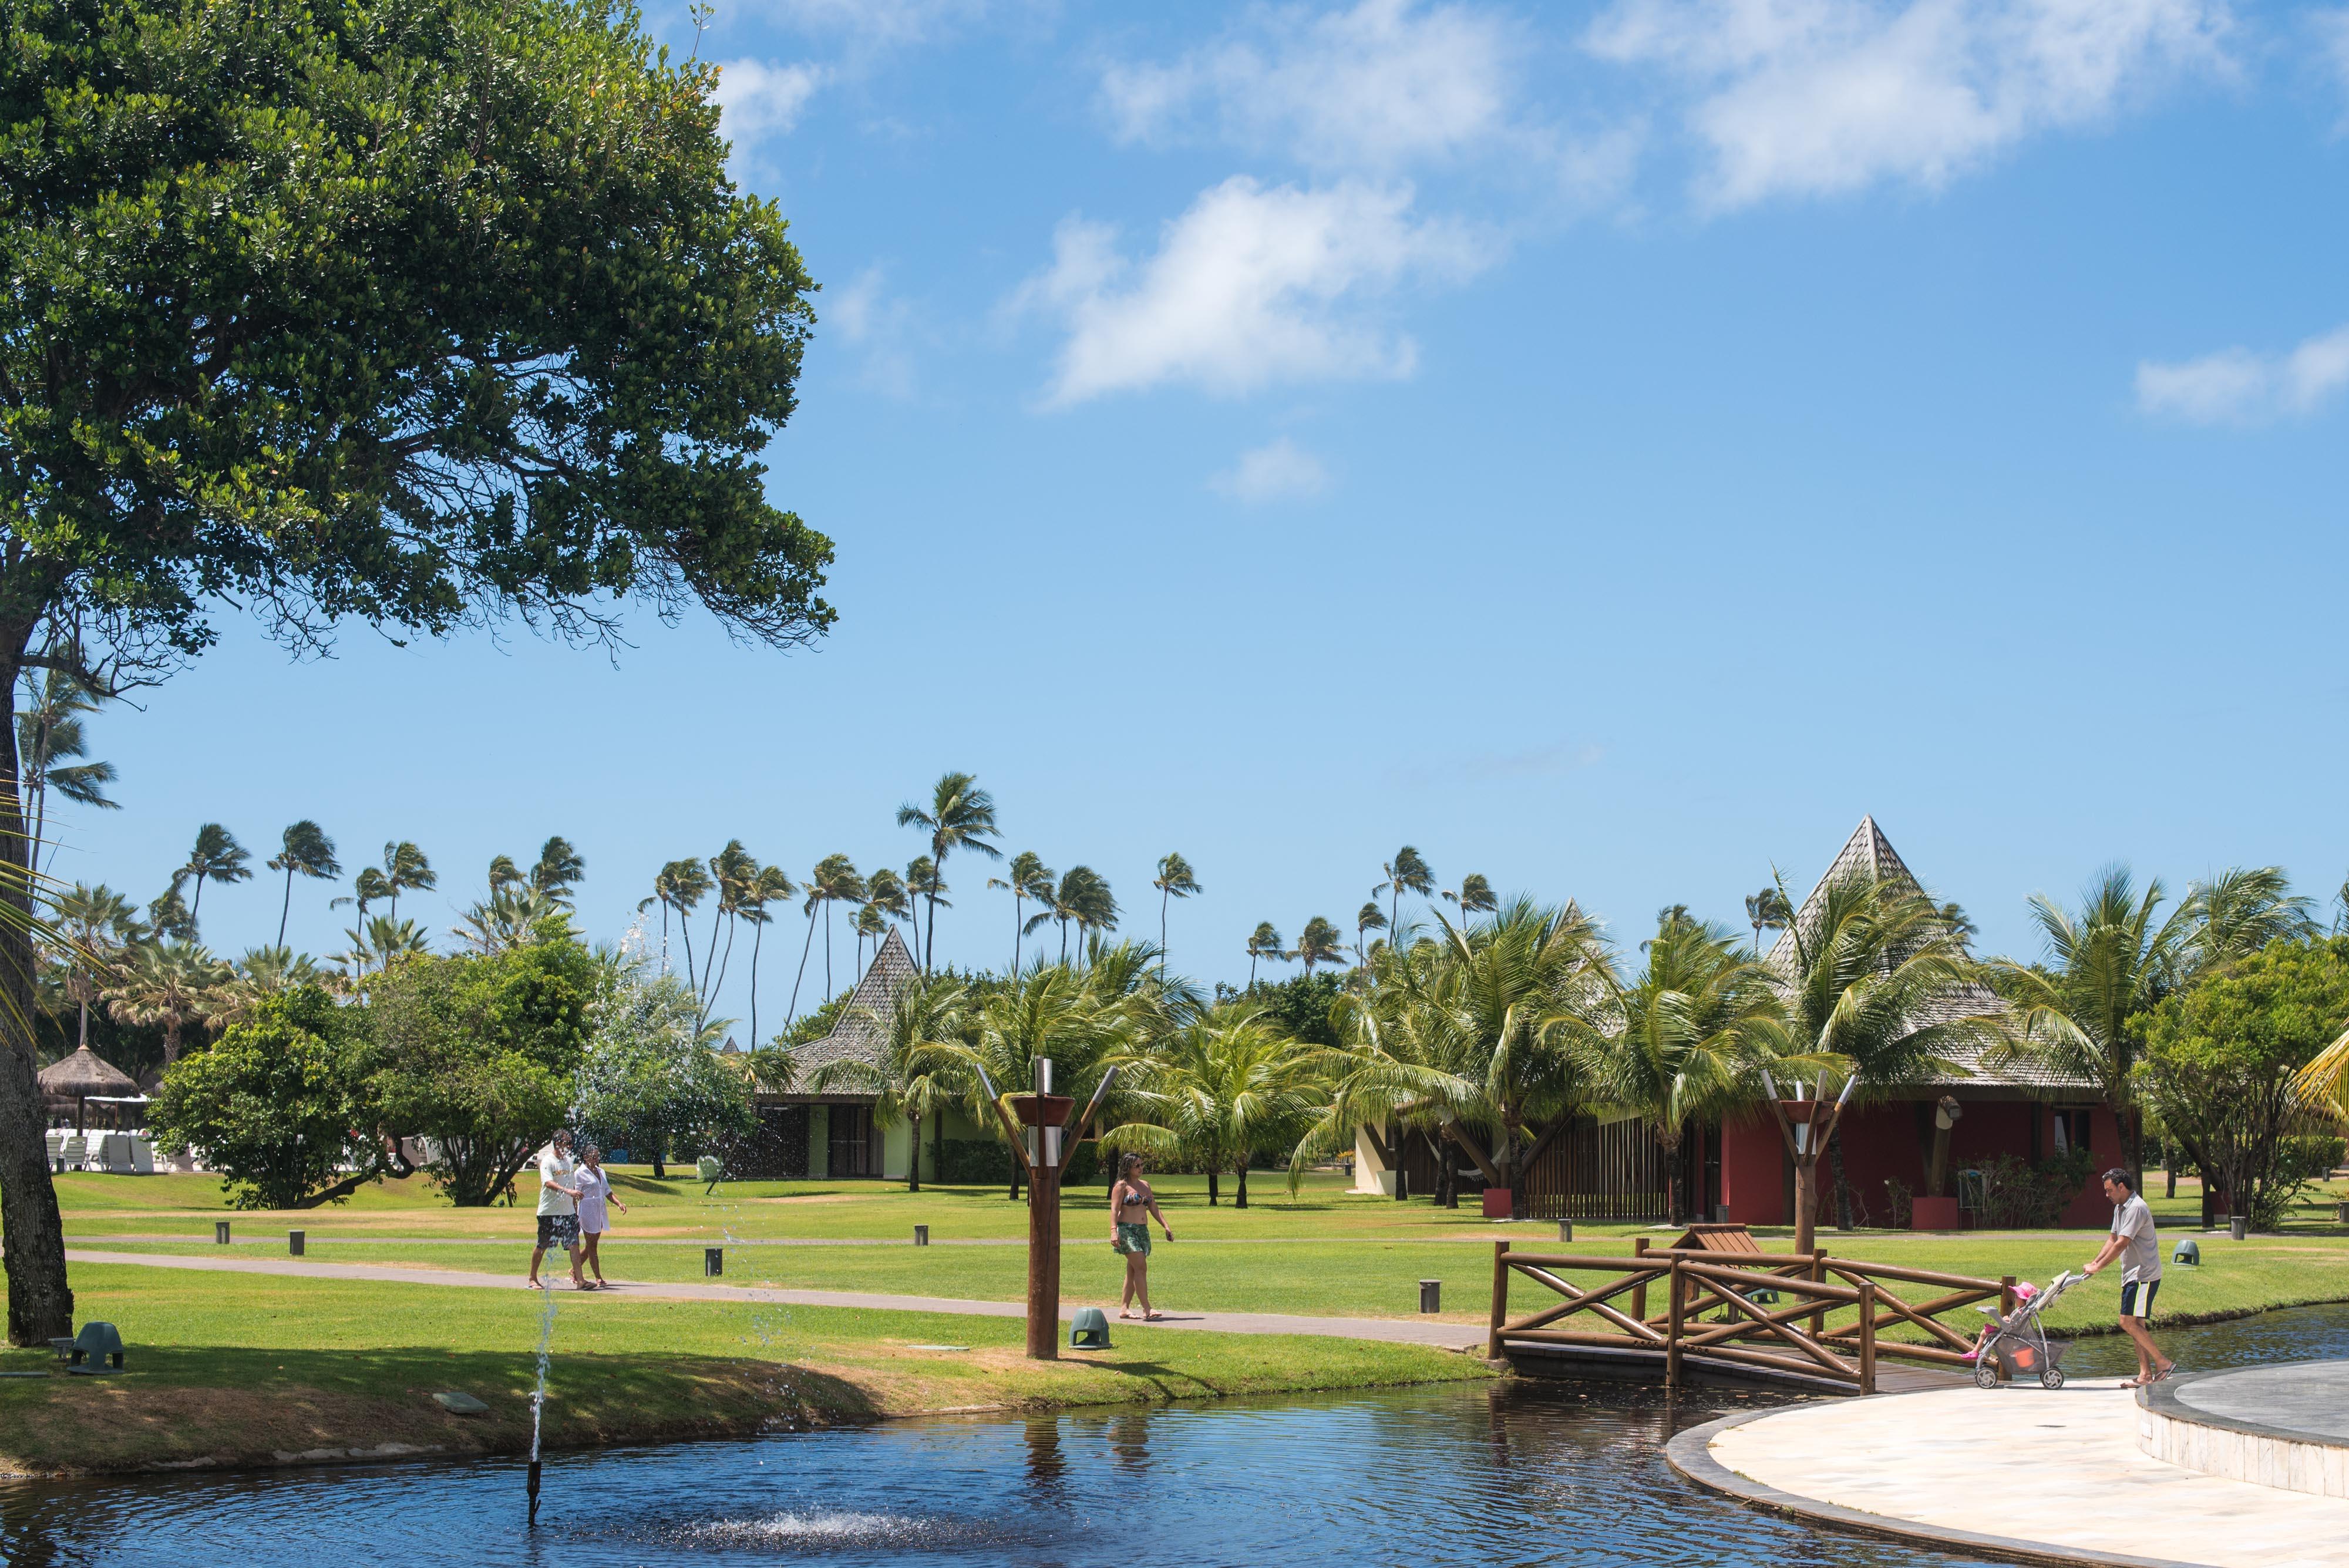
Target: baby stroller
2018,1340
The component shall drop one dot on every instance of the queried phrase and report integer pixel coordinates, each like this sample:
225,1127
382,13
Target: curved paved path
1392,1331
2021,1471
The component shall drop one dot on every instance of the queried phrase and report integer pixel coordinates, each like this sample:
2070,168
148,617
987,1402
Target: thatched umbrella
80,1075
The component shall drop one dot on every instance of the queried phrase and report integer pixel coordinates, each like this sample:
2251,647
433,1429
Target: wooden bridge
1725,1308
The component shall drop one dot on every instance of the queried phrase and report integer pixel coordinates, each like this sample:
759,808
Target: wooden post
1639,1290
1818,1277
1500,1300
1868,1337
1672,1329
1043,1262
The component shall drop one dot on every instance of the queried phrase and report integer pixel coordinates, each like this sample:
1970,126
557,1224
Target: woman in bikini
1131,1207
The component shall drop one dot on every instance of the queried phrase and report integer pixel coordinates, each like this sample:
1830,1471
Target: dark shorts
558,1230
2130,1306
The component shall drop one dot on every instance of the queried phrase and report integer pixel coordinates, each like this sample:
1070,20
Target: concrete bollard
1431,1295
713,1261
2239,1225
1565,1229
921,1235
220,1232
294,1241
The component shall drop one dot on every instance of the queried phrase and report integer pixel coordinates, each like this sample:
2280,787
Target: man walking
558,1208
2140,1251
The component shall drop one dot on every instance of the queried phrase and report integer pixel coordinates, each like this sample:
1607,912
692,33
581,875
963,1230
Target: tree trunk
1015,1175
286,908
805,947
914,1159
1239,1199
32,1237
660,1168
2169,1176
938,1145
1211,1187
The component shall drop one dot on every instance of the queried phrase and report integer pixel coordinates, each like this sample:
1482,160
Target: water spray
538,1395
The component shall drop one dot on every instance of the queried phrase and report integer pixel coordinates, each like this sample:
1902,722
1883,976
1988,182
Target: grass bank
233,1370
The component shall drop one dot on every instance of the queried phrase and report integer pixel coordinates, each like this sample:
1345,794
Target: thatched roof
82,1074
858,1037
1868,854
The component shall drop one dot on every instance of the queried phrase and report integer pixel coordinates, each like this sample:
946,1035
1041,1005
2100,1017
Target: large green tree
273,1106
416,312
2221,1058
479,1054
651,1082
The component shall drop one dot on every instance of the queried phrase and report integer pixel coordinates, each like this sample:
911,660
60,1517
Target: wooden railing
1828,1323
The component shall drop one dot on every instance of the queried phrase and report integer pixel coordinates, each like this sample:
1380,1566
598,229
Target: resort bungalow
834,1133
1611,1168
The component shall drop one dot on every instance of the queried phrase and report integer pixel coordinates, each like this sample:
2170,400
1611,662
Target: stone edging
2178,1433
1691,1453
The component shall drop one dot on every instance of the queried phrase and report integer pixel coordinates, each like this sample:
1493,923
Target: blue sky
1609,447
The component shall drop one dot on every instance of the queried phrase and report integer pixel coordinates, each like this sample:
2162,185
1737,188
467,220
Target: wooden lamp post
1807,1124
1038,1144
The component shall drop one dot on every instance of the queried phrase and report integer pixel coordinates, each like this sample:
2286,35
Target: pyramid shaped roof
862,1034
1868,853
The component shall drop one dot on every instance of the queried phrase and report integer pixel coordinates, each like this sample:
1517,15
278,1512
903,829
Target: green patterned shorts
1133,1239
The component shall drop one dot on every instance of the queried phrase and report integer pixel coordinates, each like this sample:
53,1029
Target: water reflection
1564,1473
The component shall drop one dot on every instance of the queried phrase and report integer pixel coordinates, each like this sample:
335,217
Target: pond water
1532,1473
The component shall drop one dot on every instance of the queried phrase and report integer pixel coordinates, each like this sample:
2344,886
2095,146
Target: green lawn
239,1368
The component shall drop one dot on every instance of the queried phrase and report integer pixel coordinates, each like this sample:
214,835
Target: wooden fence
1827,1322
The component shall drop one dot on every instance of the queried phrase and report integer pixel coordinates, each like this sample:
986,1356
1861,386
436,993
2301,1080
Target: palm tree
504,874
884,891
1696,1027
306,849
1857,978
1406,873
405,867
1223,1086
923,882
217,855
1050,1012
1085,894
381,940
2111,960
1026,874
98,923
769,887
1368,918
732,870
168,916
1961,926
1264,942
679,885
836,880
1175,880
49,732
870,923
558,870
170,985
916,1077
1474,895
1767,911
1318,942
960,816
507,920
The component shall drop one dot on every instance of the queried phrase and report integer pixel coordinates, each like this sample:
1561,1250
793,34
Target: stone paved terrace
2011,1471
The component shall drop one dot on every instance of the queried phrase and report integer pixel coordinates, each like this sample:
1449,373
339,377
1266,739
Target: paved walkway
2053,1475
1392,1331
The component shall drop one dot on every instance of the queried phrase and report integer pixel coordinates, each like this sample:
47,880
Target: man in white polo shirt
558,1208
2140,1251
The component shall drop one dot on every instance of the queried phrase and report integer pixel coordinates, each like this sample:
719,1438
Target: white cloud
1816,97
2236,386
1279,470
1375,86
759,99
1251,286
874,323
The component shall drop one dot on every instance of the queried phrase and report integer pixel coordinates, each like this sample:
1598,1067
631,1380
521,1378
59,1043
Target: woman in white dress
595,1192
